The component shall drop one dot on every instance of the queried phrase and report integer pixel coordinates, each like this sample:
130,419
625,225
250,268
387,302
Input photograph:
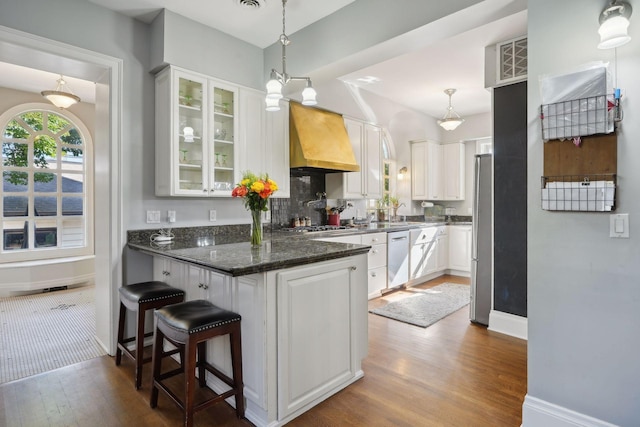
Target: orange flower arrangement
255,190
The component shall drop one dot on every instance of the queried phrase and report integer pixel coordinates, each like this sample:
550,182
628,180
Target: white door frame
38,52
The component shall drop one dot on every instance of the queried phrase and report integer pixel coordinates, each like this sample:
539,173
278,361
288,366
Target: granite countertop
226,249
239,258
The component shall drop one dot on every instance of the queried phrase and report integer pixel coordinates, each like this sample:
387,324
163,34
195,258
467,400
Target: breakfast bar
303,305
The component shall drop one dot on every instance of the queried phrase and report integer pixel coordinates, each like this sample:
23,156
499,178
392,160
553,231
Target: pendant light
280,79
59,97
451,119
614,21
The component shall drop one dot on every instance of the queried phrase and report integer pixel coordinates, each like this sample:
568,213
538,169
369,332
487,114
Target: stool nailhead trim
161,298
203,328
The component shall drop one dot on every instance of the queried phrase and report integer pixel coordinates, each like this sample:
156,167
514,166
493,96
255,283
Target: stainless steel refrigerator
482,242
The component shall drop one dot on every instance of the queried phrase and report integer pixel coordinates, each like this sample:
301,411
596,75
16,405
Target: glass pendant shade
59,97
614,23
272,104
613,33
309,96
451,119
450,123
274,89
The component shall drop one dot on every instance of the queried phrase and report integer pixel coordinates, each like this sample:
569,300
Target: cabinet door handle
203,286
353,268
204,190
166,273
374,251
373,274
375,239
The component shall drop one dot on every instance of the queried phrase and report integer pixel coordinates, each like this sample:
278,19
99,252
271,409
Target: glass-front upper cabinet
195,135
224,137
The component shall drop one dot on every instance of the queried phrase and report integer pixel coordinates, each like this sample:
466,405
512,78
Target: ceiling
416,79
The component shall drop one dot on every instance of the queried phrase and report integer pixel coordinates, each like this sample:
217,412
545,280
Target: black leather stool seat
188,326
149,291
195,316
140,297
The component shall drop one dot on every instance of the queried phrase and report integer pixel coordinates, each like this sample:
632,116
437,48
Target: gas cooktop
312,228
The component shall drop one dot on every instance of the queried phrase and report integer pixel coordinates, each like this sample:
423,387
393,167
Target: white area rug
427,306
43,332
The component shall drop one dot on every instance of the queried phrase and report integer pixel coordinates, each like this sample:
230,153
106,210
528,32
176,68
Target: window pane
33,119
15,182
15,235
45,152
72,156
45,206
72,233
15,206
15,154
72,183
72,137
46,234
55,123
72,206
45,182
15,130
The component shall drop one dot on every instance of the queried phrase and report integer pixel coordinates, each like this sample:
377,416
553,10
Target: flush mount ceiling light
279,79
451,119
614,21
59,97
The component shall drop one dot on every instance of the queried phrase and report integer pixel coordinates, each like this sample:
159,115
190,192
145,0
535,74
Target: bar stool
141,297
188,326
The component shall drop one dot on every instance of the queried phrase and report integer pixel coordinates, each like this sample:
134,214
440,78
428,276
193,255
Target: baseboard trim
537,412
508,324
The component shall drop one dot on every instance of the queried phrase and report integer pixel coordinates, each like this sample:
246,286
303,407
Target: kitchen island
304,313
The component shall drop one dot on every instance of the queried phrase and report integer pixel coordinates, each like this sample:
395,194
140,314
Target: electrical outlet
171,216
153,217
212,215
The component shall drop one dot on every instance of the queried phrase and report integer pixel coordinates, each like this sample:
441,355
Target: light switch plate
212,215
153,217
171,216
619,226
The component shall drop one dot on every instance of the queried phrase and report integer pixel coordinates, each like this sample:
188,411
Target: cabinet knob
204,190
375,239
203,286
166,273
373,274
374,251
354,268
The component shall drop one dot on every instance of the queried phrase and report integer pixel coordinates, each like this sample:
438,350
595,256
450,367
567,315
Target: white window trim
42,254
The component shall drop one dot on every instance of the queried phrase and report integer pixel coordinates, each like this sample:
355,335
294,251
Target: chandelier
280,79
59,97
451,119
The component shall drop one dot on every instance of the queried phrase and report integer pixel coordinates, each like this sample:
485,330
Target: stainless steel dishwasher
398,258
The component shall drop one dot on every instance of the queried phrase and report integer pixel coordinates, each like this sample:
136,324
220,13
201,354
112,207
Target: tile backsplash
304,187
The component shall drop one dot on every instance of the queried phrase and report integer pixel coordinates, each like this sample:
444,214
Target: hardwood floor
452,373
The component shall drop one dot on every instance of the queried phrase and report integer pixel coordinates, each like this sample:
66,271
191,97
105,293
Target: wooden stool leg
202,358
236,364
140,346
123,313
190,380
158,342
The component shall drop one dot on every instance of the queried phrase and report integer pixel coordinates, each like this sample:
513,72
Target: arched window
47,184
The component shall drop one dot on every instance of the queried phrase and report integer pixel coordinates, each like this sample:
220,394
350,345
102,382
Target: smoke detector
251,4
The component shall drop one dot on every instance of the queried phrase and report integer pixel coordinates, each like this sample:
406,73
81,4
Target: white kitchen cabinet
437,171
317,331
460,248
453,171
264,139
377,263
376,258
442,254
169,271
196,130
366,141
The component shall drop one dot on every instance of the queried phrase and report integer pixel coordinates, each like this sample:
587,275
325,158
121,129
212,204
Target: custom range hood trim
318,139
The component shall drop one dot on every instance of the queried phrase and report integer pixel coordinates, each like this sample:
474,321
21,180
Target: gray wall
583,286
